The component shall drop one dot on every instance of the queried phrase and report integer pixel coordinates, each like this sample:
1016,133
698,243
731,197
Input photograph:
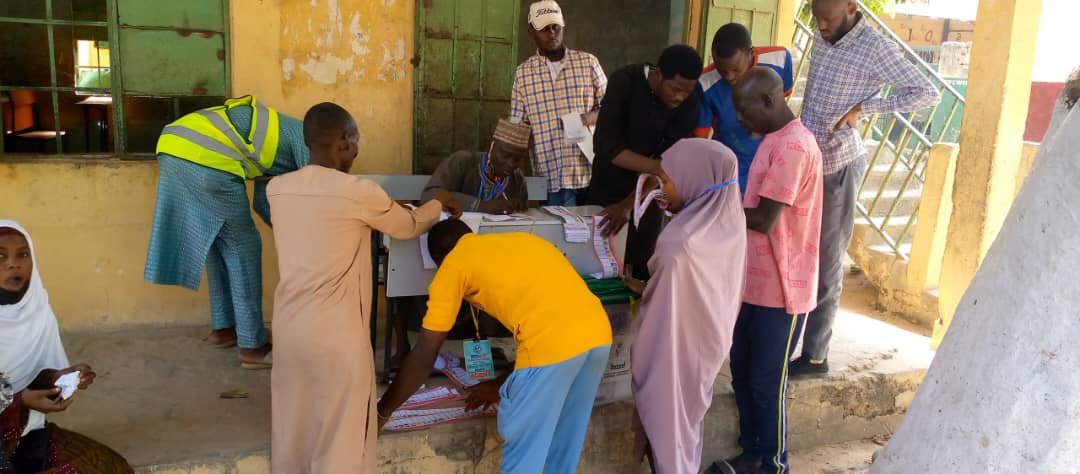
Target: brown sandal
222,339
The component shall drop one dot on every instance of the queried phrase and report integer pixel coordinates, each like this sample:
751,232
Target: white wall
1003,395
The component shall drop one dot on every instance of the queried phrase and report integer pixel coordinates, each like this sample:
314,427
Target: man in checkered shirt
850,63
554,82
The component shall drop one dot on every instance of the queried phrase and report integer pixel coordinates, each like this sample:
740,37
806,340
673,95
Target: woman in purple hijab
690,304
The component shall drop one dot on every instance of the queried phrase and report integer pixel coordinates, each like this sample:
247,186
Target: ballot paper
586,147
432,396
579,134
575,228
471,219
425,255
640,206
446,360
409,420
610,266
67,384
450,365
460,376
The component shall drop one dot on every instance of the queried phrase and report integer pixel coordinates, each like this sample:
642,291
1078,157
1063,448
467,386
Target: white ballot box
407,275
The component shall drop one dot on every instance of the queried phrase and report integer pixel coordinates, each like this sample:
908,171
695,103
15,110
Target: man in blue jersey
733,54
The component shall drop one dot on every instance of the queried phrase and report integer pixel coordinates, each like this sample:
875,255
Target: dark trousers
762,344
641,241
841,191
32,455
567,197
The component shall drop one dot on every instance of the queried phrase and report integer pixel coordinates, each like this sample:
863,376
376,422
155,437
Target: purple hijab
690,304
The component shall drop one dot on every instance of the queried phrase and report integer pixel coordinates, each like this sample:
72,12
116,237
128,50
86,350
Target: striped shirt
851,72
541,101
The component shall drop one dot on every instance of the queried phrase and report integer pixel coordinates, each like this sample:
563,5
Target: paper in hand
68,384
578,134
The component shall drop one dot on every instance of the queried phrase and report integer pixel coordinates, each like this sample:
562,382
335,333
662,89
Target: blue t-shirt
718,108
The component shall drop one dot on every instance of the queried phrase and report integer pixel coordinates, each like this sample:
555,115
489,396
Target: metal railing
898,144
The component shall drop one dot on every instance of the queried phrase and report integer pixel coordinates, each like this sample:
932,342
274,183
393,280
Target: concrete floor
844,458
157,401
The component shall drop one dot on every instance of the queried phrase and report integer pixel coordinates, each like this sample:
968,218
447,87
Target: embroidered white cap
544,14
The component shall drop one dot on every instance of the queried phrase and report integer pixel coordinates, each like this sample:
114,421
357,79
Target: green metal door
759,16
467,57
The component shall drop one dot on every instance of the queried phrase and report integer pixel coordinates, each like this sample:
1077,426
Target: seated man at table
490,182
562,333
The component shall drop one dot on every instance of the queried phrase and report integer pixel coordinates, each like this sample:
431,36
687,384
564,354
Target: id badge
478,360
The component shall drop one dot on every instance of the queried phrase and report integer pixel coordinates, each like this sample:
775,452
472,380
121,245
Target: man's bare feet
258,358
222,338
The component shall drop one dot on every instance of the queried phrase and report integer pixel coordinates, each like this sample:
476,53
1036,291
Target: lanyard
475,321
709,190
500,185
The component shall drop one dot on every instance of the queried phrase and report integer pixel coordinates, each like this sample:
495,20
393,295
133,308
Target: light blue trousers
545,411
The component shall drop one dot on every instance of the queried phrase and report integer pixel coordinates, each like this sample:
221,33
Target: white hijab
29,334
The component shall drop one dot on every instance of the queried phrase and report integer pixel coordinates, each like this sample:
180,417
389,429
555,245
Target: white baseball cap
544,14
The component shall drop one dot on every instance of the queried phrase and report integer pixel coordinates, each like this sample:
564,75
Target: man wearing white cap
555,82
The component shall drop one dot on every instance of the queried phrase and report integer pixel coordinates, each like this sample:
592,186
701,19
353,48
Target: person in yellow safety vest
202,217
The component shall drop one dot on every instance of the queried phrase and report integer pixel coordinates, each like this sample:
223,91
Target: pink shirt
782,266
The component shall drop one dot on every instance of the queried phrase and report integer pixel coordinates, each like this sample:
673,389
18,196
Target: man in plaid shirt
554,82
850,63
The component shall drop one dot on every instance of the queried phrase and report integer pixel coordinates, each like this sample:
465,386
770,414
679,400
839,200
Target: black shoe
802,367
740,464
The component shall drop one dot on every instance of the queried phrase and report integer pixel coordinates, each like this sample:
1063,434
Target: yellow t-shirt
528,285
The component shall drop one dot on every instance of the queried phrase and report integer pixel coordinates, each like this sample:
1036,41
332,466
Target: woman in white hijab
34,367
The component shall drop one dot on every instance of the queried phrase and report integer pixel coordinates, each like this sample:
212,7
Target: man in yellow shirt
562,333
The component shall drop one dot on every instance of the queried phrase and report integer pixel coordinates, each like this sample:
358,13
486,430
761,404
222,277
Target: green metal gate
759,16
467,57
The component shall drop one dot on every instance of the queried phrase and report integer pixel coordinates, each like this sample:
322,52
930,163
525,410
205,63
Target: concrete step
893,229
884,249
907,201
156,401
879,175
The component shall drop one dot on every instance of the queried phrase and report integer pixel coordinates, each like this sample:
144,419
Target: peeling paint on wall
325,70
359,40
341,40
287,67
353,52
392,66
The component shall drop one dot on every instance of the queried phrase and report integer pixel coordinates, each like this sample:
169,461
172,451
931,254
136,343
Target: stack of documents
575,227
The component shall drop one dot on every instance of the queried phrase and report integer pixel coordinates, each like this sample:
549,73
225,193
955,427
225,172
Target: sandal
264,362
224,340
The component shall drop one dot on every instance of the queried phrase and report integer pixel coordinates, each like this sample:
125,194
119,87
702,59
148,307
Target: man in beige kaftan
323,381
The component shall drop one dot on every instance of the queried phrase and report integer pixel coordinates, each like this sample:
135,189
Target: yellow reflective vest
208,137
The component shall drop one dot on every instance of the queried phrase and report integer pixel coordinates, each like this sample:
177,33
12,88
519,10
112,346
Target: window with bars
102,77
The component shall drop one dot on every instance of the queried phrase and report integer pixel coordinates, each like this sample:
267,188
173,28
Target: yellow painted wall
785,22
91,218
293,54
991,139
90,221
